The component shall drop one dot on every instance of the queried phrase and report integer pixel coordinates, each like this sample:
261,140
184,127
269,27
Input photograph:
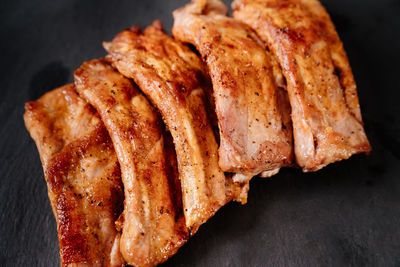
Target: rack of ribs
82,175
173,78
153,226
251,106
327,123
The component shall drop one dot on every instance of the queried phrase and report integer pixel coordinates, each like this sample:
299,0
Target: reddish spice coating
82,174
250,101
327,124
149,236
174,79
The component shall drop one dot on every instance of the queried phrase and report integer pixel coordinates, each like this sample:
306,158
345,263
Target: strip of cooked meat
254,135
173,78
326,116
152,229
82,175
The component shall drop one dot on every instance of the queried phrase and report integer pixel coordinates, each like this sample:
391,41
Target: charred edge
135,29
157,24
73,245
338,73
315,140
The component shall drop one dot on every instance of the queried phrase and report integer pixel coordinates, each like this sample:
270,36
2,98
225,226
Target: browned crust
325,109
153,227
254,134
78,208
174,79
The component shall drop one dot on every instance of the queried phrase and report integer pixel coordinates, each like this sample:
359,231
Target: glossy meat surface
82,175
173,78
254,135
153,226
326,116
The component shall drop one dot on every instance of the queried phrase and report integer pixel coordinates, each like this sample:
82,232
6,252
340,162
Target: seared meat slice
173,78
153,228
326,116
255,128
82,175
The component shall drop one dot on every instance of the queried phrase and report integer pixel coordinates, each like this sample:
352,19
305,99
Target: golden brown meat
255,128
326,116
173,78
153,229
82,175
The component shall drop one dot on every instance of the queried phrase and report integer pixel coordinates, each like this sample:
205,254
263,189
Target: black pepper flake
337,72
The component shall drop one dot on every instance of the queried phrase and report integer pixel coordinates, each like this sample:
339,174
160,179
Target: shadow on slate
51,76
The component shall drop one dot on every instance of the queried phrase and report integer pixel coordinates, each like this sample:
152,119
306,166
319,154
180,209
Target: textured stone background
348,214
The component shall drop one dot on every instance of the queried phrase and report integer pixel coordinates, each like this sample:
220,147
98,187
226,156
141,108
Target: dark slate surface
348,214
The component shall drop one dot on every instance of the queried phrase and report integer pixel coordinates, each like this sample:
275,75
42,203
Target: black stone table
347,214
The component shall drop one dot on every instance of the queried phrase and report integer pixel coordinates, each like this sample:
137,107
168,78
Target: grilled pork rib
326,116
173,78
153,227
282,85
255,128
82,175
